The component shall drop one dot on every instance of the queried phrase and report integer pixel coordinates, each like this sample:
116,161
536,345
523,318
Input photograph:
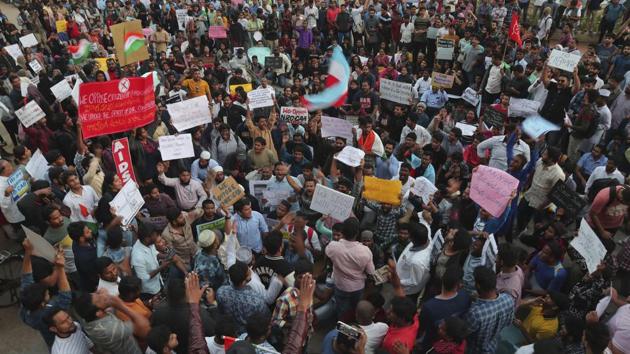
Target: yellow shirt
539,327
196,88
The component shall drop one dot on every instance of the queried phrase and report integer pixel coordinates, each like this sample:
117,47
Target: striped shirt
76,343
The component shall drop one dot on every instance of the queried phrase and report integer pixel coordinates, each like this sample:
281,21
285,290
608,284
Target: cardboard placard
382,190
442,80
228,192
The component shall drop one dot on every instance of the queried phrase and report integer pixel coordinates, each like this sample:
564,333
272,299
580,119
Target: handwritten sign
588,245
535,126
424,189
217,32
563,61
563,197
246,88
520,107
382,190
41,247
29,41
116,106
218,224
292,115
442,80
190,113
259,99
228,192
181,18
174,147
30,114
493,117
467,129
331,202
395,91
36,66
350,156
336,127
445,49
37,166
127,202
273,62
20,185
61,90
471,96
492,188
14,51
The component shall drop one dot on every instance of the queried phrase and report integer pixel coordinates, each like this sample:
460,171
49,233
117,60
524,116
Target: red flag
227,342
515,30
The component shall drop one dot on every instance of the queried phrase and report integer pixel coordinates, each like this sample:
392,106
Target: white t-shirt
88,200
111,287
76,343
213,347
375,334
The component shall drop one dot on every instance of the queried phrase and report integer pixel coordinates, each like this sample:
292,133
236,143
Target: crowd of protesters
276,276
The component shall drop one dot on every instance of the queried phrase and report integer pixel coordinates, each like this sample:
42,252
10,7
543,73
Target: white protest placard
588,245
127,202
24,83
41,247
424,189
432,32
173,147
563,60
437,243
467,129
61,90
363,60
330,202
399,92
36,66
14,51
190,113
489,251
336,127
274,197
29,41
294,114
351,156
259,99
471,96
535,126
181,18
521,107
445,49
37,166
75,91
30,114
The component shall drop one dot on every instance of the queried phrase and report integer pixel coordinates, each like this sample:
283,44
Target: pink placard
217,32
492,188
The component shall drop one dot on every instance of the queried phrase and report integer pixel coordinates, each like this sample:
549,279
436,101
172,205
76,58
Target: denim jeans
346,302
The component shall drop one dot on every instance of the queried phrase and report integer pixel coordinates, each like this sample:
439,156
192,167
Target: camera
348,335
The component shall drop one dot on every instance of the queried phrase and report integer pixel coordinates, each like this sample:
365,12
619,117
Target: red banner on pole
116,106
122,159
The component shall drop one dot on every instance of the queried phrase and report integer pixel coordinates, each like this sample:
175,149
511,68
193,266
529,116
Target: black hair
243,202
403,308
227,327
597,337
337,227
273,242
303,266
114,237
84,307
207,202
49,317
75,230
55,172
258,325
556,249
158,338
485,279
145,230
102,263
451,277
508,254
175,291
173,213
554,153
33,295
238,273
350,229
462,240
418,234
129,287
456,328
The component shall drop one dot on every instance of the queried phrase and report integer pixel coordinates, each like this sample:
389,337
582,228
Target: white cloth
423,137
493,84
375,333
421,86
213,347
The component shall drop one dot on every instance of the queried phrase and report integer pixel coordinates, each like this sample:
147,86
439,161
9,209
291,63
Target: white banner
14,51
34,64
37,166
294,114
330,202
181,18
521,107
259,99
471,96
563,61
29,41
399,92
30,114
190,113
589,246
351,156
424,189
61,90
127,202
336,127
467,129
173,147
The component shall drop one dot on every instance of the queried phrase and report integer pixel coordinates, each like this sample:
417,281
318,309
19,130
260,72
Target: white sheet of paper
14,51
37,166
467,129
127,202
24,87
563,60
29,41
30,114
588,245
521,107
41,247
61,90
34,64
259,99
190,113
330,202
395,91
351,156
173,147
336,127
424,189
535,126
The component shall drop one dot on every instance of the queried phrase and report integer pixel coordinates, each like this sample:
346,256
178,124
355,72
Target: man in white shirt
406,31
601,172
422,84
414,264
498,150
82,200
107,275
69,338
491,84
375,331
145,263
423,137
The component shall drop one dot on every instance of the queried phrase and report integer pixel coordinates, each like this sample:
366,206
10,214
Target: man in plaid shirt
623,270
286,304
386,220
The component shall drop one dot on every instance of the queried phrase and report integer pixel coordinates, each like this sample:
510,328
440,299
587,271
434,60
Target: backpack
603,183
309,233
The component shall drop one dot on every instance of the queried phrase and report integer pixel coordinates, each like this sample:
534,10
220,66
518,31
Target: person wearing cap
200,167
207,263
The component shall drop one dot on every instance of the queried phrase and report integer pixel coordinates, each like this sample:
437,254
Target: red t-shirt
406,335
610,215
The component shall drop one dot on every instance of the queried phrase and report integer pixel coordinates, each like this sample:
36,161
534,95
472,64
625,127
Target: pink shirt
352,261
611,215
619,327
511,283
